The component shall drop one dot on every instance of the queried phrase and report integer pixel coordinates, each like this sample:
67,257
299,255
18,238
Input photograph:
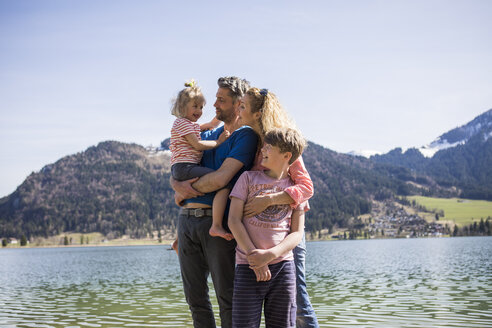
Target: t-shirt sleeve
244,149
206,135
240,189
304,206
303,188
184,127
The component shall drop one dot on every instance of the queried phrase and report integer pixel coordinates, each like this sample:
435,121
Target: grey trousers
185,171
199,255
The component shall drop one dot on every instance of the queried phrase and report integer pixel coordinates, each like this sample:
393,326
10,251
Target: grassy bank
460,211
88,239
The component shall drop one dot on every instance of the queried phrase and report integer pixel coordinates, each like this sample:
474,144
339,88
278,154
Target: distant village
391,220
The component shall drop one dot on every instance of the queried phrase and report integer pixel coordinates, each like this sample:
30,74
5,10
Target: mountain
123,189
461,157
481,125
113,188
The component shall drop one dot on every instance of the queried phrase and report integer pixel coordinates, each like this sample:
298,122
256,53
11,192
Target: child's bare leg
174,245
218,209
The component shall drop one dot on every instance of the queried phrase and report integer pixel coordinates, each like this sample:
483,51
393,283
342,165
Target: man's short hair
287,140
237,87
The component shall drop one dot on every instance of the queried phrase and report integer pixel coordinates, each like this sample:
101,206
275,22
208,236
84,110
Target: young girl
187,148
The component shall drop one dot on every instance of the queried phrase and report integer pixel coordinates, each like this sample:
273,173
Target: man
200,253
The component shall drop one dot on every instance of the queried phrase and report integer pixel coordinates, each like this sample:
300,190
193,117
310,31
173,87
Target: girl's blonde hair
192,92
273,115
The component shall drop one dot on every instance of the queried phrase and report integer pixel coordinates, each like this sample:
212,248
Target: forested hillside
122,189
113,188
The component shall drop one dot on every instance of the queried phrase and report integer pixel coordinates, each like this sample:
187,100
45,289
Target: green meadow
460,211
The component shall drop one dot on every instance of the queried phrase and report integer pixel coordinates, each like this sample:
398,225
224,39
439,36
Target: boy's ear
288,155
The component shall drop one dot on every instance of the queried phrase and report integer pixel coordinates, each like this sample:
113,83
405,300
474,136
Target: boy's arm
259,257
237,227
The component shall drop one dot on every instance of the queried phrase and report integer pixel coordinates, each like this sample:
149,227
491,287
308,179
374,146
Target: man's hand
178,199
263,273
185,190
256,205
260,257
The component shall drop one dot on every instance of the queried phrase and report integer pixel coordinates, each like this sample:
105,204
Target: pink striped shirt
181,150
302,189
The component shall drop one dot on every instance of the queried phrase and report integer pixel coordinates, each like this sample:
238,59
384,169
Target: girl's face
194,110
246,117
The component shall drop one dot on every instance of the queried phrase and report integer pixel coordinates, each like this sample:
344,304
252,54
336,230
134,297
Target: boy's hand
263,273
260,257
223,136
256,205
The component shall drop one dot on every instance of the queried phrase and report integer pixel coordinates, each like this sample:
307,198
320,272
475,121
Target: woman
261,110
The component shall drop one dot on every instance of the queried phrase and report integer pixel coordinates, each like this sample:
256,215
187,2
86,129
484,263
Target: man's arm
219,179
209,182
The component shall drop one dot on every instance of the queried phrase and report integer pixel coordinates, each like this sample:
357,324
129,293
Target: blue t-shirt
240,145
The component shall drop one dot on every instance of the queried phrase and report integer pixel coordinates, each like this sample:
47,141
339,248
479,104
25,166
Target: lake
445,282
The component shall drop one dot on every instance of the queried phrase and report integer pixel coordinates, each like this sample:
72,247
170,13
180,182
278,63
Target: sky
354,75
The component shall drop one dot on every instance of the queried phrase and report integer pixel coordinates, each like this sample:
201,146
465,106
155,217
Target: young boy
265,270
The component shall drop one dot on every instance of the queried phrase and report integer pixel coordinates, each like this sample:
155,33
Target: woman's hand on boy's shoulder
256,205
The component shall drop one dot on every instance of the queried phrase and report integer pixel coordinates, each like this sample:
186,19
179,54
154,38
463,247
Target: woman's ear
257,116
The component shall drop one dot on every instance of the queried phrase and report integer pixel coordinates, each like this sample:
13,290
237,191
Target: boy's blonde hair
273,114
287,140
192,92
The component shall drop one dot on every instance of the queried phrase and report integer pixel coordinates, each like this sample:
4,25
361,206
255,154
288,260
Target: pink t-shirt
181,150
271,226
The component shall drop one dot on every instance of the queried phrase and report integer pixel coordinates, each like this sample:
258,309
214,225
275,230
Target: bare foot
174,245
219,231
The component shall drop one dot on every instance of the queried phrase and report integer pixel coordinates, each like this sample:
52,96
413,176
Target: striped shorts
278,295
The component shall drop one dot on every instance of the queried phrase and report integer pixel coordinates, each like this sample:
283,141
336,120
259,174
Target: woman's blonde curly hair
191,92
273,115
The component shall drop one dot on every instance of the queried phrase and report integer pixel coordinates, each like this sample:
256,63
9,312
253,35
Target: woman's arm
300,192
210,125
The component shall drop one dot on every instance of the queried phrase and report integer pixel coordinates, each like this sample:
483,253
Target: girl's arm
198,144
300,192
260,257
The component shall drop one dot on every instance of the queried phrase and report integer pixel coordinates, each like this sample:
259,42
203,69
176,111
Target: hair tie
263,92
190,84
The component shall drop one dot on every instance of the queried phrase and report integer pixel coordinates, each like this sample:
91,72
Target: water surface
443,282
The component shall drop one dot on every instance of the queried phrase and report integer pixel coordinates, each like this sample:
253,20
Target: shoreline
167,243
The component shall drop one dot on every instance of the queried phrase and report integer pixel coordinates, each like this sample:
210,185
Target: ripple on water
389,283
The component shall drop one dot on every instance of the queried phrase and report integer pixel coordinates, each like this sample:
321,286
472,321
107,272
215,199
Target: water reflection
376,283
403,283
